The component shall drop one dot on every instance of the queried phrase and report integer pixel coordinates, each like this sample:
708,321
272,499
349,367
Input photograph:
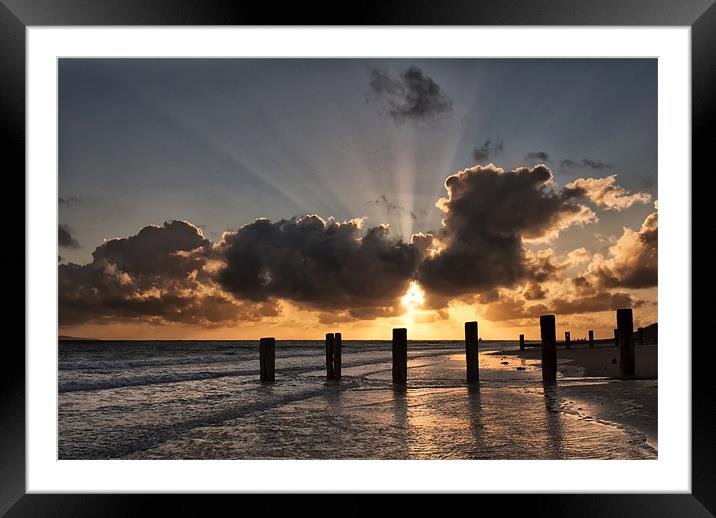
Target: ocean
203,400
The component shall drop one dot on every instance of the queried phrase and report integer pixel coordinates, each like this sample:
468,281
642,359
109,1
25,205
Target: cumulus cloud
157,275
604,301
605,193
410,96
319,263
482,154
515,306
632,261
65,239
484,251
577,256
489,214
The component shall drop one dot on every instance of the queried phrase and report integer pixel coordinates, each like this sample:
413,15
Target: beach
607,397
203,400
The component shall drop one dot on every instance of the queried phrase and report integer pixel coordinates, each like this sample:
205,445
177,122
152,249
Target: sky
239,198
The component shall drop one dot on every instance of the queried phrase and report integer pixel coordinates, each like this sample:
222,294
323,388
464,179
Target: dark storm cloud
410,96
65,239
323,264
482,154
173,273
537,157
575,166
156,250
488,214
156,276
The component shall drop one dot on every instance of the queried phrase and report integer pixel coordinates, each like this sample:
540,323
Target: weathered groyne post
400,356
471,354
591,338
330,345
522,342
267,359
625,327
567,339
337,345
548,332
616,338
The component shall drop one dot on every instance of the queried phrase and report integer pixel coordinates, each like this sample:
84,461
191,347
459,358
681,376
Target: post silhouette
625,326
400,356
591,338
616,338
330,343
471,354
337,345
566,339
522,342
548,333
267,359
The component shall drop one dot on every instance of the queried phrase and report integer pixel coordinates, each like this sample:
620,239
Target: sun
414,298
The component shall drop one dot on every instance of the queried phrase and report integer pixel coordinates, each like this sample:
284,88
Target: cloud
487,150
577,256
605,193
513,306
65,239
484,251
534,291
574,166
410,96
320,263
632,261
489,214
68,201
158,275
535,157
603,301
157,250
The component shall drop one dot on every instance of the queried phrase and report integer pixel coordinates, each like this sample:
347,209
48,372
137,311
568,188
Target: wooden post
640,335
625,326
522,342
400,356
330,342
566,339
267,359
471,354
591,338
337,344
616,338
548,332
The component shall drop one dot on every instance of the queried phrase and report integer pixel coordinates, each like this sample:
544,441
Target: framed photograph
422,249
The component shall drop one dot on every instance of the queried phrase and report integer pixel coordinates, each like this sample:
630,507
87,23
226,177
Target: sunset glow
363,194
414,298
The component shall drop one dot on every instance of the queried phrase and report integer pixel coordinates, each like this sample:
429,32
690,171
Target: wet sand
608,398
602,360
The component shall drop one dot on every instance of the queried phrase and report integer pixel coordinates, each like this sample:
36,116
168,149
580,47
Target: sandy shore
602,360
632,403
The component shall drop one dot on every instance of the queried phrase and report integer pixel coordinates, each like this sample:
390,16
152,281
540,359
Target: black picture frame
16,15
